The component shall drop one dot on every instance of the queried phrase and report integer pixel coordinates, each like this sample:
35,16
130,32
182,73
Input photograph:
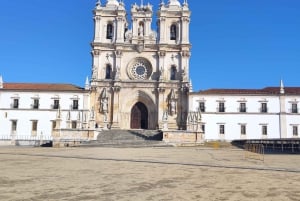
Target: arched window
173,73
108,72
173,33
109,31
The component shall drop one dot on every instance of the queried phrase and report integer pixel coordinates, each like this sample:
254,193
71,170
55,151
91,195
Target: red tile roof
264,91
40,87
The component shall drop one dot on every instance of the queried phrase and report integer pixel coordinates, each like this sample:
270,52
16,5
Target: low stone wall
71,137
179,137
5,142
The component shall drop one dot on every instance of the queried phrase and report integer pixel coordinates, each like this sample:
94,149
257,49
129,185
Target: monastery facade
140,80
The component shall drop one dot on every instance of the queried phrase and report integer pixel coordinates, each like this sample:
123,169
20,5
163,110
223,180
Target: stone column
161,65
282,117
162,108
185,30
115,109
98,30
96,64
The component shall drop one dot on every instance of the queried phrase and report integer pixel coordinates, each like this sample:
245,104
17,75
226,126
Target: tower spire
281,87
98,3
87,85
1,82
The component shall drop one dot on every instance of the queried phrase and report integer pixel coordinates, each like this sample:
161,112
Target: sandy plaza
161,173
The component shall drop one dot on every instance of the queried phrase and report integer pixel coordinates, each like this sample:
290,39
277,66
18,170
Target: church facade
140,75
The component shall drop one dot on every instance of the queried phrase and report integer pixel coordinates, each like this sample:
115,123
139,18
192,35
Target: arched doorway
139,116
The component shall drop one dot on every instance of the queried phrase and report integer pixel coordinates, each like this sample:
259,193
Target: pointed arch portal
139,116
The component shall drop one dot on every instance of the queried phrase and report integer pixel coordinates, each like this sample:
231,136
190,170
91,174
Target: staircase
128,138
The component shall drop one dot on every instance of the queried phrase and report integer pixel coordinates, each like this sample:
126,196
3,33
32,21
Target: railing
255,151
25,137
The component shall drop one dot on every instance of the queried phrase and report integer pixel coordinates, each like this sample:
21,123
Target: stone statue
104,104
165,116
173,106
141,30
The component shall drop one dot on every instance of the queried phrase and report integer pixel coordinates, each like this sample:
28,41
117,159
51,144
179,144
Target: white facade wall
44,115
253,118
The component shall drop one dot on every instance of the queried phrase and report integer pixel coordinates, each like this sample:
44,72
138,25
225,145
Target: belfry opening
139,116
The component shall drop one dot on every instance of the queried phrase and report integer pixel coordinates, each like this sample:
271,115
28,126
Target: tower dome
112,3
174,3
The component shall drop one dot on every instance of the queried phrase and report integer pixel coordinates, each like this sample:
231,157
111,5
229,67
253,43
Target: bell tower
173,21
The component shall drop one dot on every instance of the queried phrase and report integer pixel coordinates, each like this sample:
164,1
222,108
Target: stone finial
87,83
1,82
281,87
174,3
191,86
98,3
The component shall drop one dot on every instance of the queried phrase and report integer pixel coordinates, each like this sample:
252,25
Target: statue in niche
141,30
172,107
104,102
172,103
104,105
165,116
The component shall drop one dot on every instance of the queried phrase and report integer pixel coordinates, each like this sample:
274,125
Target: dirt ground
31,174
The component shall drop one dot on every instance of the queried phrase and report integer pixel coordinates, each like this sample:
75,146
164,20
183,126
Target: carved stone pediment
139,48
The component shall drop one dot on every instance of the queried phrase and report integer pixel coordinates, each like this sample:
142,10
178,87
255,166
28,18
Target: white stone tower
139,74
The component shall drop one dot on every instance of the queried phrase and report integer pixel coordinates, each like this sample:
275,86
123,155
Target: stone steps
128,138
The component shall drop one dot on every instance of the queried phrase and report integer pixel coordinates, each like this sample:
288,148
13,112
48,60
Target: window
15,103
35,104
242,107
34,125
13,126
53,125
221,107
109,31
294,108
264,130
243,129
222,129
203,128
264,108
75,105
173,73
173,32
295,130
74,124
108,72
202,106
56,104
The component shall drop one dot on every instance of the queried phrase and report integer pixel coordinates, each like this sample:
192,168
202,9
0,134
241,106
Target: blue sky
235,43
